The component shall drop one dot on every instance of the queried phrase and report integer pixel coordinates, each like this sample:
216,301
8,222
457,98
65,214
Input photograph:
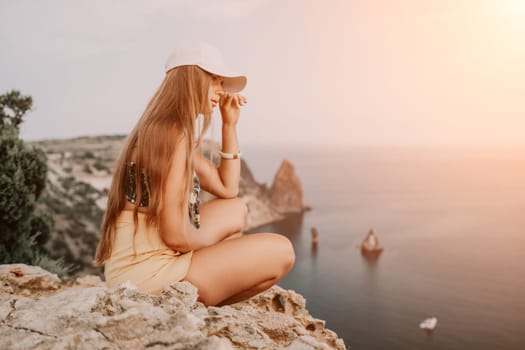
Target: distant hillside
79,177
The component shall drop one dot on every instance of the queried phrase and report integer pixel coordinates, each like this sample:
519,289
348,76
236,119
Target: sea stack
315,239
371,243
286,193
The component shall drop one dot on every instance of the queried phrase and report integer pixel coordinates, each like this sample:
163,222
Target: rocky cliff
79,177
39,311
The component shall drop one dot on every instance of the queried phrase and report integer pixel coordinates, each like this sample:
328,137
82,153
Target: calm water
453,227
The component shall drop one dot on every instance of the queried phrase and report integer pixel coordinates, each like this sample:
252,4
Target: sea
452,224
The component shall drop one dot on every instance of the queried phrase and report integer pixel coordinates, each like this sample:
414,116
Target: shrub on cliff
23,173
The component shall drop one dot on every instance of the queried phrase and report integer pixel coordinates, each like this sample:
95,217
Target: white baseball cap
209,59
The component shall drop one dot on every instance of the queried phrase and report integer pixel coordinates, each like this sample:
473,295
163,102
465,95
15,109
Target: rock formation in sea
286,192
371,243
315,237
39,311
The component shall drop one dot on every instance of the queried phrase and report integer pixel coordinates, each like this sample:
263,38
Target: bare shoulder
177,169
180,152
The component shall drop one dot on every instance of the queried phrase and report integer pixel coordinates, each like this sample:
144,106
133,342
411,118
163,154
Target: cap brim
234,84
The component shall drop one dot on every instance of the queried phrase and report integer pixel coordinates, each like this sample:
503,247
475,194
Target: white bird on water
429,323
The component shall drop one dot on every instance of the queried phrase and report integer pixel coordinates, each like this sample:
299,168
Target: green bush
87,169
100,166
23,174
88,155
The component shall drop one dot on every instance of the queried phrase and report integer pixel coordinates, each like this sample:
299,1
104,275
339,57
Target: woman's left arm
223,181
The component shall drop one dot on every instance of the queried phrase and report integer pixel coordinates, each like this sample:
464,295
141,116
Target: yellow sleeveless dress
154,265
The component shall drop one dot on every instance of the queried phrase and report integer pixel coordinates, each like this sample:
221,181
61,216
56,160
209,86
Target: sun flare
514,11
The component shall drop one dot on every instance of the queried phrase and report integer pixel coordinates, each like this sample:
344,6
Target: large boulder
84,314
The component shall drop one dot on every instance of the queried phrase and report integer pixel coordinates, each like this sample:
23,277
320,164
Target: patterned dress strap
131,185
194,203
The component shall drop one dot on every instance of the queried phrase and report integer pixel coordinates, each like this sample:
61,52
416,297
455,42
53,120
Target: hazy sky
369,72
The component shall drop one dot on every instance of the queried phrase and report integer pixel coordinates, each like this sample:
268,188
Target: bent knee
285,254
289,255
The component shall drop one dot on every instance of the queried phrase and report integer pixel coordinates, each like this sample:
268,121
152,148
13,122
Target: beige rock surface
84,314
24,280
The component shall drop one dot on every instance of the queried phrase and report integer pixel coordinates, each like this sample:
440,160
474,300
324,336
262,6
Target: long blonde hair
181,97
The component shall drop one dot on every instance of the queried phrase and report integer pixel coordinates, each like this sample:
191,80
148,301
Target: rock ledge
39,311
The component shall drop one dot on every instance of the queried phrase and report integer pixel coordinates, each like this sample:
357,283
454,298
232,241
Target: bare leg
223,219
235,269
238,266
249,293
235,235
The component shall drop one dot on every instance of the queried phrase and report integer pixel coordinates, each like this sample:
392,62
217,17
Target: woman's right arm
175,227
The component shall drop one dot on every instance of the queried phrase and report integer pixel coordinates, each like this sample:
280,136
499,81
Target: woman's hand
230,104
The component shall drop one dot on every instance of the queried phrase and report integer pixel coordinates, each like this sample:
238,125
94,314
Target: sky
320,73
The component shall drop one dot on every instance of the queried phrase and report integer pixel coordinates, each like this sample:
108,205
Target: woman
154,232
